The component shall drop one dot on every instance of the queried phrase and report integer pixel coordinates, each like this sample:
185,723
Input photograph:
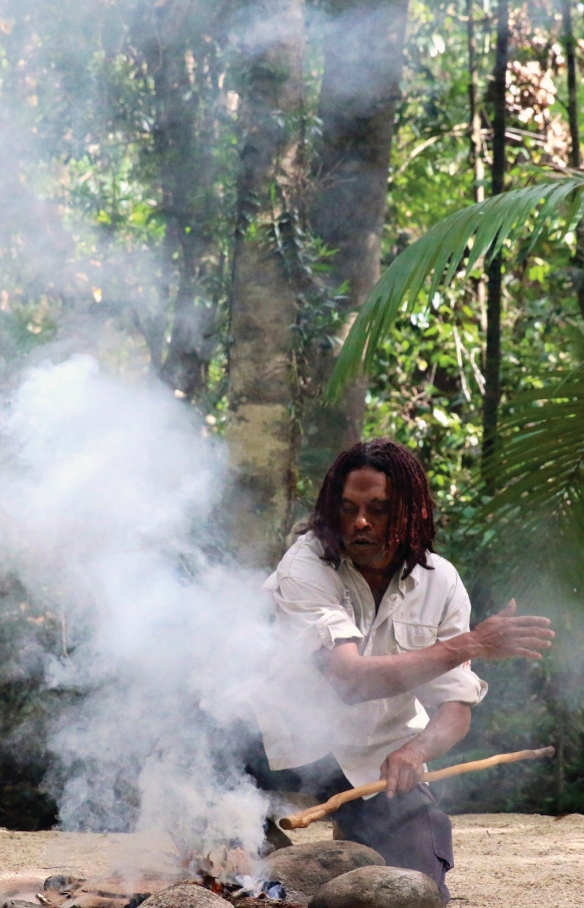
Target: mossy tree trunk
363,64
261,393
181,44
575,161
494,290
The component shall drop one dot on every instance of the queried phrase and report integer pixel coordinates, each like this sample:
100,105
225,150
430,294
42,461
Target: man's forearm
360,678
449,725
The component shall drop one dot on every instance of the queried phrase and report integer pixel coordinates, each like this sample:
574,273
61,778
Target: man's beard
369,555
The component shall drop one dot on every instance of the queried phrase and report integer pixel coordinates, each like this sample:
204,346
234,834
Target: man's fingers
408,779
507,635
396,784
525,646
528,640
528,647
400,776
535,642
509,610
390,772
527,635
526,653
528,621
522,623
514,633
391,786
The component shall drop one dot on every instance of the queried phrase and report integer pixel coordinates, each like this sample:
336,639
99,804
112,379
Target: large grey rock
302,869
379,887
185,895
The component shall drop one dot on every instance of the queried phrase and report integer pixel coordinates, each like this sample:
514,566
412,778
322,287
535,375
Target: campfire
227,872
65,892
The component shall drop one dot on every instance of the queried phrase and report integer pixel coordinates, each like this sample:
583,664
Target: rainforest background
206,192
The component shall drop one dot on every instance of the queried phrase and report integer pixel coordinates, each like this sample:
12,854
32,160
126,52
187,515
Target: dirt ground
502,860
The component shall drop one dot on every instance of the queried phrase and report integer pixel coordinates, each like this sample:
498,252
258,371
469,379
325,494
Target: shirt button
393,597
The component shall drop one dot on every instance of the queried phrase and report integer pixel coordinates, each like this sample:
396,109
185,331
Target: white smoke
363,30
107,492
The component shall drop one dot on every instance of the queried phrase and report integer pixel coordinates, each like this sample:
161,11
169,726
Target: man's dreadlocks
411,524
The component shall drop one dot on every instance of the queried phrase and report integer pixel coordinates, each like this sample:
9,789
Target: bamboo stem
306,817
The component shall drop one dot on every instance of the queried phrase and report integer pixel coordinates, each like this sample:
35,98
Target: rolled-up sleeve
460,684
311,615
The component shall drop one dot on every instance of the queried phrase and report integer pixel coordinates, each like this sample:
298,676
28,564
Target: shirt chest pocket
414,636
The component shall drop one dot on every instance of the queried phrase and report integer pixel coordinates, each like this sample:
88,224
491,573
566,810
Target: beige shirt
301,717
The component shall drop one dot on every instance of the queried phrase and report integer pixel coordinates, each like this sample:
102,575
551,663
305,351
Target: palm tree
539,457
539,469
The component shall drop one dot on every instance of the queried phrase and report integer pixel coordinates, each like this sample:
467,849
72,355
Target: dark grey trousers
409,831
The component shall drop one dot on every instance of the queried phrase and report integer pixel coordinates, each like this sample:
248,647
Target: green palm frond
484,227
539,468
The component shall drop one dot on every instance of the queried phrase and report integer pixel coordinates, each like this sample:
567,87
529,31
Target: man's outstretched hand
357,678
507,635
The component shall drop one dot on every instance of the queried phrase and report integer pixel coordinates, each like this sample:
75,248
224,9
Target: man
373,628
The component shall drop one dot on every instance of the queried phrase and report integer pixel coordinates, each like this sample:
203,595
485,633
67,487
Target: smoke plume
107,491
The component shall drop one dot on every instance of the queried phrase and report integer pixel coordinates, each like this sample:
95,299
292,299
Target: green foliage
120,125
532,531
416,394
540,460
483,227
427,394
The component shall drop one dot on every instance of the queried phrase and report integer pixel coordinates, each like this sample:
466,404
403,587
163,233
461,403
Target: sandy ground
502,860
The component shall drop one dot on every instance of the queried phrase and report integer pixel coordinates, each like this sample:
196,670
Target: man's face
364,517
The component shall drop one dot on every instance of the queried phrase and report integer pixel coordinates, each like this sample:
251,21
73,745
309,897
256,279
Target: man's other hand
506,635
403,770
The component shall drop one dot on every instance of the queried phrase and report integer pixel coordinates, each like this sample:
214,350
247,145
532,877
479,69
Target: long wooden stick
306,817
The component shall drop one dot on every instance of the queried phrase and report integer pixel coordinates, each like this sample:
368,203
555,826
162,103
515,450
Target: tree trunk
179,40
261,393
575,158
363,49
476,144
570,47
493,353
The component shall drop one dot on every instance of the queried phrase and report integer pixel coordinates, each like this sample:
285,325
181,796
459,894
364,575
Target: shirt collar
404,586
411,582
